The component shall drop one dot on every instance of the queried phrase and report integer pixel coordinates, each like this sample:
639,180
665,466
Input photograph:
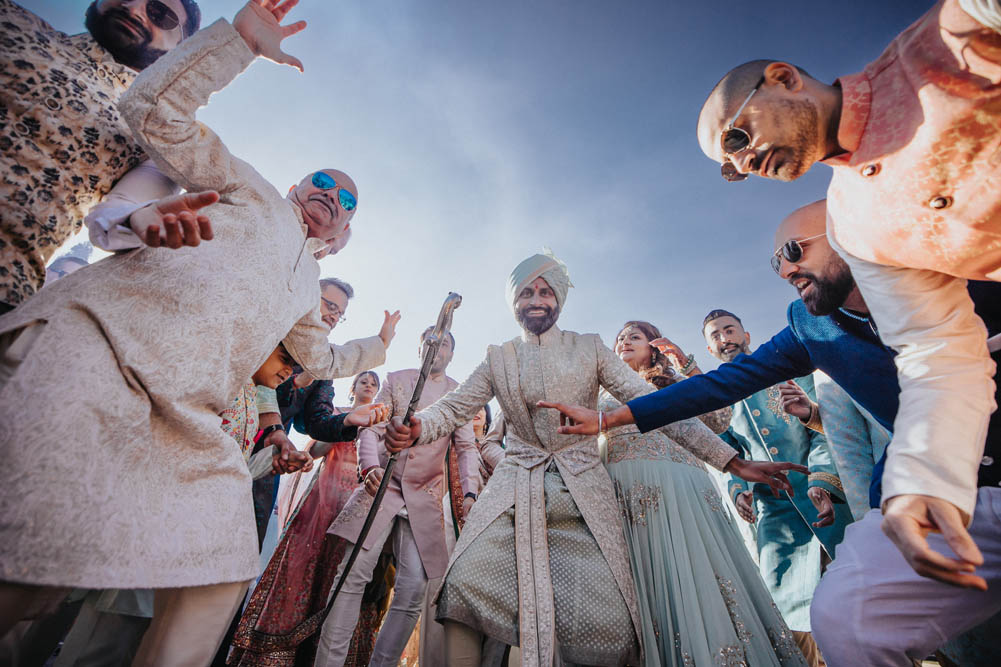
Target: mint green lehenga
701,599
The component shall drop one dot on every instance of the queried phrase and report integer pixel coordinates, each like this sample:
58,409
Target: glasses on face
161,15
733,140
324,181
334,309
791,251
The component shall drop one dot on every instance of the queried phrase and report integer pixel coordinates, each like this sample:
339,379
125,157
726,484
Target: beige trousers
188,624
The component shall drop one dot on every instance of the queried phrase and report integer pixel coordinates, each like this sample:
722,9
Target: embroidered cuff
814,423
828,482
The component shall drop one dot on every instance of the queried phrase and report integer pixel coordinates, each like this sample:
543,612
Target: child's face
275,370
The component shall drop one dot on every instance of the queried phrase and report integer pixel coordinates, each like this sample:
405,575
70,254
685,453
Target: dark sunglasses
323,181
162,16
733,140
791,251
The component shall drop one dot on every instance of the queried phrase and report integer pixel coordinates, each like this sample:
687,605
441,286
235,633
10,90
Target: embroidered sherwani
542,557
63,144
131,360
788,545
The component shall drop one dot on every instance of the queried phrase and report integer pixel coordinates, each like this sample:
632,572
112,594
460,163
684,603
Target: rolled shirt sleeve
107,222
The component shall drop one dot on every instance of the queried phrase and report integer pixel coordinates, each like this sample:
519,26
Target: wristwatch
268,430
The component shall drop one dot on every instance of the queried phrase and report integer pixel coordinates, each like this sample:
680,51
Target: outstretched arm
307,343
160,105
448,413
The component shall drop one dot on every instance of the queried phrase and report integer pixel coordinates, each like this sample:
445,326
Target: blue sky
479,132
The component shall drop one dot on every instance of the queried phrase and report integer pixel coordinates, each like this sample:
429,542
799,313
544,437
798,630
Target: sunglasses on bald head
791,251
733,140
324,181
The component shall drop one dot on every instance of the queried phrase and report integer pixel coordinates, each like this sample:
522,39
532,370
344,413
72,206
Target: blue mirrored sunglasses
323,181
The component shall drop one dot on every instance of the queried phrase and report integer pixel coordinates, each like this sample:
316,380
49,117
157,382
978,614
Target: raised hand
259,23
399,436
174,221
367,415
388,330
766,472
907,520
671,350
794,400
821,500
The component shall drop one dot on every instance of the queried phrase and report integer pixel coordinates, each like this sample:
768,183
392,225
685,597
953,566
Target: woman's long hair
660,373
354,383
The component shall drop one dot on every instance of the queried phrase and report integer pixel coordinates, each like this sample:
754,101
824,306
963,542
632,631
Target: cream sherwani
118,372
567,590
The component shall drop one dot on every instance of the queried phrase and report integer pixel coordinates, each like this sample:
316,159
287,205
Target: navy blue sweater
846,348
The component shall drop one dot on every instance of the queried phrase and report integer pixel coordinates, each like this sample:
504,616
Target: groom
542,562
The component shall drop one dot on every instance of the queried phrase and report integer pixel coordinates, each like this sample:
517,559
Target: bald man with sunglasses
129,362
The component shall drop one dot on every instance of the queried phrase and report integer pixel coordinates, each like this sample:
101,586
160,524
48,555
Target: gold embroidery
833,480
686,659
713,500
775,404
785,646
729,593
638,501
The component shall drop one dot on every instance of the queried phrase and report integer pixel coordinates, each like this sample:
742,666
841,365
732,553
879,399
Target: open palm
259,23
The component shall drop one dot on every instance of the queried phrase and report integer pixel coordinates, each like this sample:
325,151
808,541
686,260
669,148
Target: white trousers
946,379
871,608
408,596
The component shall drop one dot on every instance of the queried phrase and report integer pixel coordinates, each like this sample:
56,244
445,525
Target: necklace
872,325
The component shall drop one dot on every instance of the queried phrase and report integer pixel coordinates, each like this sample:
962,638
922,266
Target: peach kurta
418,481
123,367
920,184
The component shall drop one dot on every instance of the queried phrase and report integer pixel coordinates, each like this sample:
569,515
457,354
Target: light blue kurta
789,548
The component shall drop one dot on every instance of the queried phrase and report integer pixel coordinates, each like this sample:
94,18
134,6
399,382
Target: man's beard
538,325
798,158
130,50
731,353
829,293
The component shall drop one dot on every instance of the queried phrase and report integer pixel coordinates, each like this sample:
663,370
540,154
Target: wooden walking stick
433,342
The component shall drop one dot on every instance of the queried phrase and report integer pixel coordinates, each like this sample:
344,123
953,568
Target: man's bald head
822,279
804,222
785,119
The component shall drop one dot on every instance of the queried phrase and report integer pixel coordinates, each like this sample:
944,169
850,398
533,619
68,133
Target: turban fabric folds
545,266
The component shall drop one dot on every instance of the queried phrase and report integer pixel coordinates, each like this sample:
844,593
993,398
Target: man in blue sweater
870,594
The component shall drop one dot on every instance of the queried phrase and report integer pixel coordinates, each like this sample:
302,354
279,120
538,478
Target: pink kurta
920,183
418,481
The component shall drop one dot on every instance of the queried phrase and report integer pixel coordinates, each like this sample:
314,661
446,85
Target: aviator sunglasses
733,140
791,251
323,181
162,16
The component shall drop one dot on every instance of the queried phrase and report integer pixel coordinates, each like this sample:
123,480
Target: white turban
545,266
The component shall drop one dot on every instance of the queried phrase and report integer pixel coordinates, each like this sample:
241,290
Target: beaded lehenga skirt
701,598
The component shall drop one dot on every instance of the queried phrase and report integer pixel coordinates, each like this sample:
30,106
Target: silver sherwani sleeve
324,361
457,407
625,384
